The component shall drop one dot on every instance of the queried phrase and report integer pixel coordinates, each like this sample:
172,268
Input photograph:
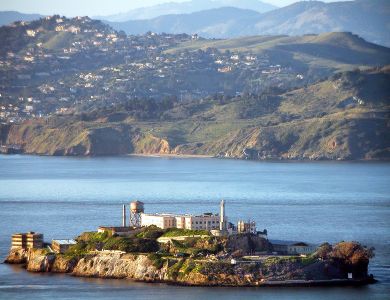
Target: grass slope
345,117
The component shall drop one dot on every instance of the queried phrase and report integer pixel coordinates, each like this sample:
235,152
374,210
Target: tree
352,253
352,257
324,251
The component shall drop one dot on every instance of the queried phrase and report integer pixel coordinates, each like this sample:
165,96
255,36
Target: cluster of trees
352,256
90,241
132,244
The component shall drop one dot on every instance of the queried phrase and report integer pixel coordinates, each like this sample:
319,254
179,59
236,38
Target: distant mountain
219,22
369,19
185,8
7,17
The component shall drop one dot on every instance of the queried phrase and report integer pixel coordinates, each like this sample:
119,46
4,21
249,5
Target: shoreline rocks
139,267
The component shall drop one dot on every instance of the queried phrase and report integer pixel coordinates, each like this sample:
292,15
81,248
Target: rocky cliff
184,271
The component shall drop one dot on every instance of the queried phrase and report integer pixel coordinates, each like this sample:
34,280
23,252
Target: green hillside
338,50
345,117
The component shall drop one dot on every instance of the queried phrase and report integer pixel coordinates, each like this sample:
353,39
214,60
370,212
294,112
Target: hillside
57,65
336,50
344,118
367,18
52,33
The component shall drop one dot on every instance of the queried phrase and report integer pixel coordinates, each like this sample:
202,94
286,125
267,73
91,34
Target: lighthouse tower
222,222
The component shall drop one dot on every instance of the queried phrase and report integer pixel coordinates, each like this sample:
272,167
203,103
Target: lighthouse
222,221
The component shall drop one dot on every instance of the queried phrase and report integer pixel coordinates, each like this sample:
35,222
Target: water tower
136,208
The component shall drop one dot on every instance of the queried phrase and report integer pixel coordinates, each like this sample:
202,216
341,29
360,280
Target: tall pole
124,215
222,223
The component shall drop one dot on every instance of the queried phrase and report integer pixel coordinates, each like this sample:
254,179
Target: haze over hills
231,18
369,19
214,23
7,17
185,8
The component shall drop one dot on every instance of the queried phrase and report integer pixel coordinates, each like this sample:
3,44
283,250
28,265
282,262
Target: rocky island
196,258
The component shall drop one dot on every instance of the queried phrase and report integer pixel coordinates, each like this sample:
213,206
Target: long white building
207,221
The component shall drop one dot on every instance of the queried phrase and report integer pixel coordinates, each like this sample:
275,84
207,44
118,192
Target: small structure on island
27,240
292,247
246,227
136,209
116,230
61,246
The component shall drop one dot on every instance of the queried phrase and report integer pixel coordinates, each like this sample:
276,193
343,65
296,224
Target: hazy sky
92,7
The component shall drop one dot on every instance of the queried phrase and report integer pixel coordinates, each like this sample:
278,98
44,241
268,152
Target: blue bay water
310,201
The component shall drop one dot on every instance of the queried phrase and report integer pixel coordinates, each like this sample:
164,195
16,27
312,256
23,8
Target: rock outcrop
112,264
17,256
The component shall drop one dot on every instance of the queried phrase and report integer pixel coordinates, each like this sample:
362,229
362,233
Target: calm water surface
314,202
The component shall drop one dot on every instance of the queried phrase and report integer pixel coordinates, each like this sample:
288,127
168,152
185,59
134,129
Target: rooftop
65,242
289,243
179,215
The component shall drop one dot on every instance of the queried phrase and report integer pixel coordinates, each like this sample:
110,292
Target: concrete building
292,248
246,227
206,221
27,240
60,246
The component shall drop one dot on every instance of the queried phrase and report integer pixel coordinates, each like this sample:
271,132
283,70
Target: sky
93,7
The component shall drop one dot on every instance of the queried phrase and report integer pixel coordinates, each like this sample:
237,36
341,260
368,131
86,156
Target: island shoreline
268,284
